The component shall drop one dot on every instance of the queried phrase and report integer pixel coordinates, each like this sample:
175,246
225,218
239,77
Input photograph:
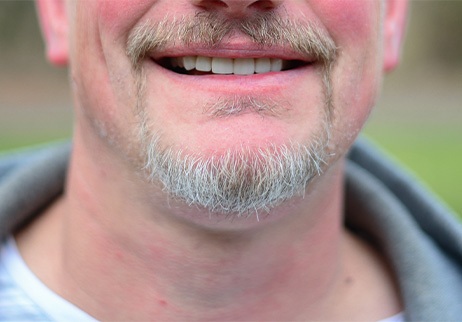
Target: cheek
348,19
119,15
106,95
355,26
356,86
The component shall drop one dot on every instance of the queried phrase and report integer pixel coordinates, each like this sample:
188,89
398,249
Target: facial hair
242,180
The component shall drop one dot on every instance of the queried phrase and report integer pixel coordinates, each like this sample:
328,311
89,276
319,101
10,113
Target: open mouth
202,65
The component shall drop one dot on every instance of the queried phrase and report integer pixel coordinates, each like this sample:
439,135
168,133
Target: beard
243,180
239,181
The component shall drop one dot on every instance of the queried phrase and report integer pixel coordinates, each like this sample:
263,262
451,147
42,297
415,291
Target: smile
202,65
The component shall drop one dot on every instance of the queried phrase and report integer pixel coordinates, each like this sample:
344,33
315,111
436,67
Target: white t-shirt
395,318
23,297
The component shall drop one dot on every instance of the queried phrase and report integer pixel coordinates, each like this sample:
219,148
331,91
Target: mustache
265,29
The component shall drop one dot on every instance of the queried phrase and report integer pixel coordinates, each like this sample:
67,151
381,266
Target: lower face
231,143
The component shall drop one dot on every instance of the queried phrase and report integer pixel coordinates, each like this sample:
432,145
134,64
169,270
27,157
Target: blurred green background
418,119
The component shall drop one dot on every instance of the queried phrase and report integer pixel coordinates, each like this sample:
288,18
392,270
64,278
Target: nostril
237,5
210,4
264,4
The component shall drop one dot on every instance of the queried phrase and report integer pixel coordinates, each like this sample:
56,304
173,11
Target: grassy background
418,119
433,154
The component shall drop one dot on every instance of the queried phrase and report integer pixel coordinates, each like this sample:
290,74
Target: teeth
189,62
237,66
244,66
262,65
179,62
276,65
222,65
204,64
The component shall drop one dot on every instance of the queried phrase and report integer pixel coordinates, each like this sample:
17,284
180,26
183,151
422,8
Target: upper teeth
237,66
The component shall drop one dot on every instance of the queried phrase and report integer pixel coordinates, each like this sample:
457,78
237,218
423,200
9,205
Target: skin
119,248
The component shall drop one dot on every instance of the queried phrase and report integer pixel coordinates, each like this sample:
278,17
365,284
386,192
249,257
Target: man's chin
235,182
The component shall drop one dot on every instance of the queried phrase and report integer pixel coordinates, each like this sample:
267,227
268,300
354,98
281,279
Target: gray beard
241,181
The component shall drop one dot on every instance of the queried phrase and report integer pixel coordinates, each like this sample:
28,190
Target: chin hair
237,181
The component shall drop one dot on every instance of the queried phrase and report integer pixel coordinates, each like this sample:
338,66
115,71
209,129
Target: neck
123,257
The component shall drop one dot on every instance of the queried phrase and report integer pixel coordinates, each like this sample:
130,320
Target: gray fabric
420,238
29,181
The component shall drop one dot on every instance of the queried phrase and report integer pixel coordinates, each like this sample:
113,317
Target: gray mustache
209,29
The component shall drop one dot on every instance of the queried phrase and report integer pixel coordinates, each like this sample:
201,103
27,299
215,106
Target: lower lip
237,83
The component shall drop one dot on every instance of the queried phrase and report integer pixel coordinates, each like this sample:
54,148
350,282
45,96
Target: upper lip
231,50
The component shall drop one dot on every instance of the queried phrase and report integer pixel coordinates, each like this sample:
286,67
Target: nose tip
237,7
